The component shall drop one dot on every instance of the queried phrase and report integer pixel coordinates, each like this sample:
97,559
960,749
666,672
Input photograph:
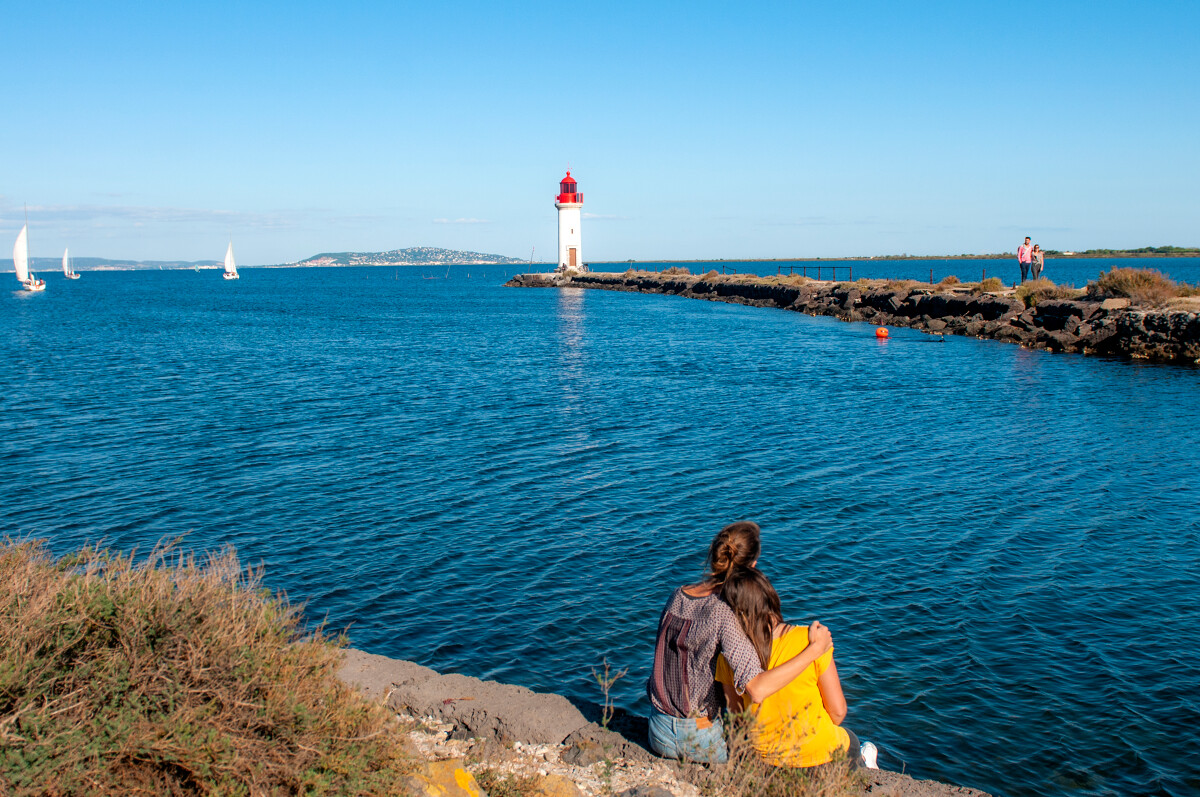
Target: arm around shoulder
771,681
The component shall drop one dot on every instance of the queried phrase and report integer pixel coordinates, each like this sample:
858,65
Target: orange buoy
881,332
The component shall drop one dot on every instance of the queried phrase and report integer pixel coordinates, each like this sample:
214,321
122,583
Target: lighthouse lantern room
570,238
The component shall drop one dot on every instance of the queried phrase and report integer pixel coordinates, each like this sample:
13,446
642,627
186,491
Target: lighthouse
570,238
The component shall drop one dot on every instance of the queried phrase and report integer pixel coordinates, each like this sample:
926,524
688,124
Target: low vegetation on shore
172,677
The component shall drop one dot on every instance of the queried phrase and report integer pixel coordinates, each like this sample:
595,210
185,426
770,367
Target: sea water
508,483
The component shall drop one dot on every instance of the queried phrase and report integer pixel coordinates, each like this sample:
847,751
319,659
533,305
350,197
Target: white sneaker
870,755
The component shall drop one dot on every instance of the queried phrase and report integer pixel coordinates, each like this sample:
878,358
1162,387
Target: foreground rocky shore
472,734
1088,323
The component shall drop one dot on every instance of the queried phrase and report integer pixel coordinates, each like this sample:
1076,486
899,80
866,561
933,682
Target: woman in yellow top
800,725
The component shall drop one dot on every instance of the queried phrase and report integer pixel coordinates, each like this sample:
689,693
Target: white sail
66,263
230,266
21,254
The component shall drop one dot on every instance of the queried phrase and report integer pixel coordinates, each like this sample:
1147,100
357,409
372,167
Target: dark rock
646,790
1057,340
935,325
583,753
592,740
1025,320
990,306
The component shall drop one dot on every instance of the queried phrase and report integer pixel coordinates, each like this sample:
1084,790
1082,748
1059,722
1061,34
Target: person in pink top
1024,258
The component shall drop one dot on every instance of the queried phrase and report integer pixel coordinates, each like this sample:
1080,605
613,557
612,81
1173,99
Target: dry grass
711,275
676,271
1039,290
748,775
901,285
168,677
498,784
1142,286
949,280
989,285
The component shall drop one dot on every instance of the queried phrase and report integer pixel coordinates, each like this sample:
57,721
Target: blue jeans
672,737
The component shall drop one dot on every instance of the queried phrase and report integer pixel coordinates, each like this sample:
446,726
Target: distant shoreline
858,259
867,259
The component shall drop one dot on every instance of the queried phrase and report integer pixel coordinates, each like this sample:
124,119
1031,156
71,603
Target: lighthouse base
580,268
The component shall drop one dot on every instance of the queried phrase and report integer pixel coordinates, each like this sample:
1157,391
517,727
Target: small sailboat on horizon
68,272
28,281
230,266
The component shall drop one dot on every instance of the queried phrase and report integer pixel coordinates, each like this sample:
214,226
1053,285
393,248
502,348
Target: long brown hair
755,603
736,545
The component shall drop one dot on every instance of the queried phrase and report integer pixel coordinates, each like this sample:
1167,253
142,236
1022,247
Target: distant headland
413,256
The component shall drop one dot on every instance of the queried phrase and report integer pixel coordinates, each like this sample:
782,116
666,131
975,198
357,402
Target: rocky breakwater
1086,322
472,735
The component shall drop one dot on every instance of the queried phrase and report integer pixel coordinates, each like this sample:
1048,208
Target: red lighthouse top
567,192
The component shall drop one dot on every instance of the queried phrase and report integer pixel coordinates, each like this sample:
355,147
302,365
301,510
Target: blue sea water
508,483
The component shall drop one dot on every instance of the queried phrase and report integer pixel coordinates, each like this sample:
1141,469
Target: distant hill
413,256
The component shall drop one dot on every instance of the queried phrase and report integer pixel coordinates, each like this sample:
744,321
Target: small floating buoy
881,332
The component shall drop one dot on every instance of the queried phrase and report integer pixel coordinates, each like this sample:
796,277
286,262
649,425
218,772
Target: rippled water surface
508,483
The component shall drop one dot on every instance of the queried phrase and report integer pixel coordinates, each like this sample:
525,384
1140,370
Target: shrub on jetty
949,280
168,677
674,271
1142,286
1039,290
989,285
710,275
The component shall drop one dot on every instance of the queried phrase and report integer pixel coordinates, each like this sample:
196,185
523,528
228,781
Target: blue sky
155,131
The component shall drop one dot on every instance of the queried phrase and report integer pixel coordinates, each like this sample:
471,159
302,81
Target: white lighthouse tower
570,237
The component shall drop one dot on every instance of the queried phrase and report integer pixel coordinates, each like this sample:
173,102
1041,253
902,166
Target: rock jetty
467,730
1087,324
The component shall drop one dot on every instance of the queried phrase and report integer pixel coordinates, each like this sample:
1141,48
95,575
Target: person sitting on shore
800,725
696,626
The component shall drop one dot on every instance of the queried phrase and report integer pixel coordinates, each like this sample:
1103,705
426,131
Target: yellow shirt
792,727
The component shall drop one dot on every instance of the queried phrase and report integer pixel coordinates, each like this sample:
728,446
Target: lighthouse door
571,254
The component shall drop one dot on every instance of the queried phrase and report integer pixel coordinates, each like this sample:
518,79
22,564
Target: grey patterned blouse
691,632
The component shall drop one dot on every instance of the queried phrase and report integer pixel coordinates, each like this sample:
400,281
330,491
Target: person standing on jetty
1025,258
696,626
1039,261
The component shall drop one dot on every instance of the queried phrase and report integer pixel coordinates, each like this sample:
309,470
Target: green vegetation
1141,286
1145,250
168,677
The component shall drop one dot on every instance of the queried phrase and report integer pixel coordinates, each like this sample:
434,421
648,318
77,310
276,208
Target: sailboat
68,272
230,266
21,262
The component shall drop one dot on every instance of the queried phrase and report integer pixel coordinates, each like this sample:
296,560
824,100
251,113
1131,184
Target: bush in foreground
1142,286
168,677
748,775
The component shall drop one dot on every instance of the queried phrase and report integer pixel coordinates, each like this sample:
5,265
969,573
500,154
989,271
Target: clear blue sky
699,129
